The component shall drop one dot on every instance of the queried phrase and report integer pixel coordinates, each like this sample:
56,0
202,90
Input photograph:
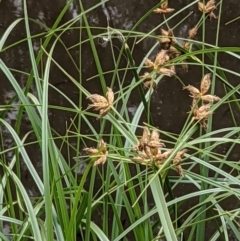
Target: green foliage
140,192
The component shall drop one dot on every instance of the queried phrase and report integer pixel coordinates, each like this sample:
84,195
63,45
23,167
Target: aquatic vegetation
123,164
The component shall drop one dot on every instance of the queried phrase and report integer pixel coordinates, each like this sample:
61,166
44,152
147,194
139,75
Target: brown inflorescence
100,153
101,103
208,8
164,9
201,113
149,151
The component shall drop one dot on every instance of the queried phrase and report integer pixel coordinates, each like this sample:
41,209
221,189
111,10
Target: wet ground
169,104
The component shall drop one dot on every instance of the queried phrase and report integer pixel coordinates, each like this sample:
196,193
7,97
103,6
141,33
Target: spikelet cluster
101,103
208,8
149,151
100,153
168,42
201,113
164,9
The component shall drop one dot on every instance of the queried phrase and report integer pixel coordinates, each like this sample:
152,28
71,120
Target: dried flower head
140,160
101,103
163,11
166,33
99,153
161,58
205,83
149,80
186,45
143,141
201,114
91,150
149,64
210,98
177,160
195,93
204,87
148,147
164,8
146,76
168,72
173,52
110,96
154,143
208,8
192,33
167,38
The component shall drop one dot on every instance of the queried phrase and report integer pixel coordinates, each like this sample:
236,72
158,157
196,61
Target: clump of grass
67,206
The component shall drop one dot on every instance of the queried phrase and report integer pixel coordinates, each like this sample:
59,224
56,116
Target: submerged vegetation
98,179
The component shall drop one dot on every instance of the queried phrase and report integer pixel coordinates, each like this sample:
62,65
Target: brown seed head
167,72
154,136
101,160
210,98
179,170
203,123
164,5
192,33
91,151
144,139
212,15
103,112
168,37
178,158
149,63
163,11
201,6
195,93
154,151
138,159
146,75
166,154
202,112
173,52
210,6
186,45
172,68
100,152
110,96
99,102
147,151
102,145
143,155
164,32
205,83
161,58
204,108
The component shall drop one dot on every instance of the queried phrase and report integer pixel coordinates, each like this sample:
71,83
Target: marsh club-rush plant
123,187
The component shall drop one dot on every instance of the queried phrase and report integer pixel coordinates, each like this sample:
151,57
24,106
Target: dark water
169,104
